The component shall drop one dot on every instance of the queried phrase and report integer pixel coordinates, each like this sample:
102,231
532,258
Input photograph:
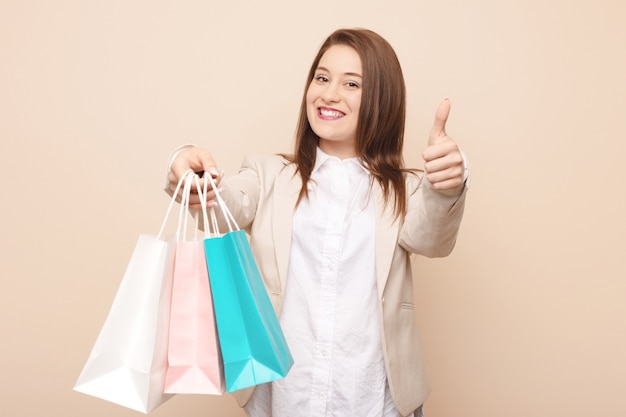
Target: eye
321,78
352,84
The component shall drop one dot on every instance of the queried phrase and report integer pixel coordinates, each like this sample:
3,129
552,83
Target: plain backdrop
527,317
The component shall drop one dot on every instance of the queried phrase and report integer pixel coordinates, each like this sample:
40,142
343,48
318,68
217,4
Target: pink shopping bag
194,359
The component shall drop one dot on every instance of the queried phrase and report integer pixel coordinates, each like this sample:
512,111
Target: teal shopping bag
254,349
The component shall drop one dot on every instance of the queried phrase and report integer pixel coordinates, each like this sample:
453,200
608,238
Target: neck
340,150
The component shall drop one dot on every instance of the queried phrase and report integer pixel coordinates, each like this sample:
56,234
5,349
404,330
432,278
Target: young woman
332,228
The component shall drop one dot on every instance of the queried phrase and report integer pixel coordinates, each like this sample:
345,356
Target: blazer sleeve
241,192
251,188
433,218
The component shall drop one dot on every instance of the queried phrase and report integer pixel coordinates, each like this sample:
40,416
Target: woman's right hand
200,161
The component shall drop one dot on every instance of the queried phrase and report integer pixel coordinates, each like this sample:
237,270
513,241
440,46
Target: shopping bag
194,360
254,349
128,361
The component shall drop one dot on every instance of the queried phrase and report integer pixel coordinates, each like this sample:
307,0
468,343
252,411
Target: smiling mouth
331,114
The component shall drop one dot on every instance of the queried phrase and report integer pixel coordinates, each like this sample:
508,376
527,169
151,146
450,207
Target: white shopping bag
128,363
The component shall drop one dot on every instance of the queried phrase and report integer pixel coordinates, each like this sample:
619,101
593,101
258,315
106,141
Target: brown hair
380,128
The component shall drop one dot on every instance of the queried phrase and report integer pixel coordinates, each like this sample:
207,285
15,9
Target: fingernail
214,172
211,204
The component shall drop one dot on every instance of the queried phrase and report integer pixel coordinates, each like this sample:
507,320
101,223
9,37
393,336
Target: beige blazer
262,198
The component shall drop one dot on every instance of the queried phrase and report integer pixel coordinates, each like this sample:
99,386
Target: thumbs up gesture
443,161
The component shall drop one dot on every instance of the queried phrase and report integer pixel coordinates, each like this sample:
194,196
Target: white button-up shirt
330,313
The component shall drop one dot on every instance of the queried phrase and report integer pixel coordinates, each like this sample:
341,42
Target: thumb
439,126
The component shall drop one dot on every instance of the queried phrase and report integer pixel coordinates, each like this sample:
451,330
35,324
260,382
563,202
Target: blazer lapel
282,217
386,237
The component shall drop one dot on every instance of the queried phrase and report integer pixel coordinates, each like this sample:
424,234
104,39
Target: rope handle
181,182
230,220
185,182
202,193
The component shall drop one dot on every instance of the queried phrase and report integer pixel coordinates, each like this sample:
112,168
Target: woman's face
333,100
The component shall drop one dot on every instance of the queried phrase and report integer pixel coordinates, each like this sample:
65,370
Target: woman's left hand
443,161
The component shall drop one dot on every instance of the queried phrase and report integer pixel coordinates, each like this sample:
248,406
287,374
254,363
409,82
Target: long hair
380,127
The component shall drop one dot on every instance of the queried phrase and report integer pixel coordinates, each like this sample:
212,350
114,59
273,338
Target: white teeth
330,113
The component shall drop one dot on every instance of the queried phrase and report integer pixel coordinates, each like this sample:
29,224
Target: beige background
526,318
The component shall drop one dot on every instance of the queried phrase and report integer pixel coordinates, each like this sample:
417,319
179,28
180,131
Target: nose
331,94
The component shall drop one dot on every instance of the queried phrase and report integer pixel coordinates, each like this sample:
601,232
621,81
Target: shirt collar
322,157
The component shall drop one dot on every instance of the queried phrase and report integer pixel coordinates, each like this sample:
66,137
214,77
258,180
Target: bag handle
214,225
230,220
181,231
181,182
202,195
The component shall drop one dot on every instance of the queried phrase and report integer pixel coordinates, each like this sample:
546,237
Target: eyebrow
352,74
